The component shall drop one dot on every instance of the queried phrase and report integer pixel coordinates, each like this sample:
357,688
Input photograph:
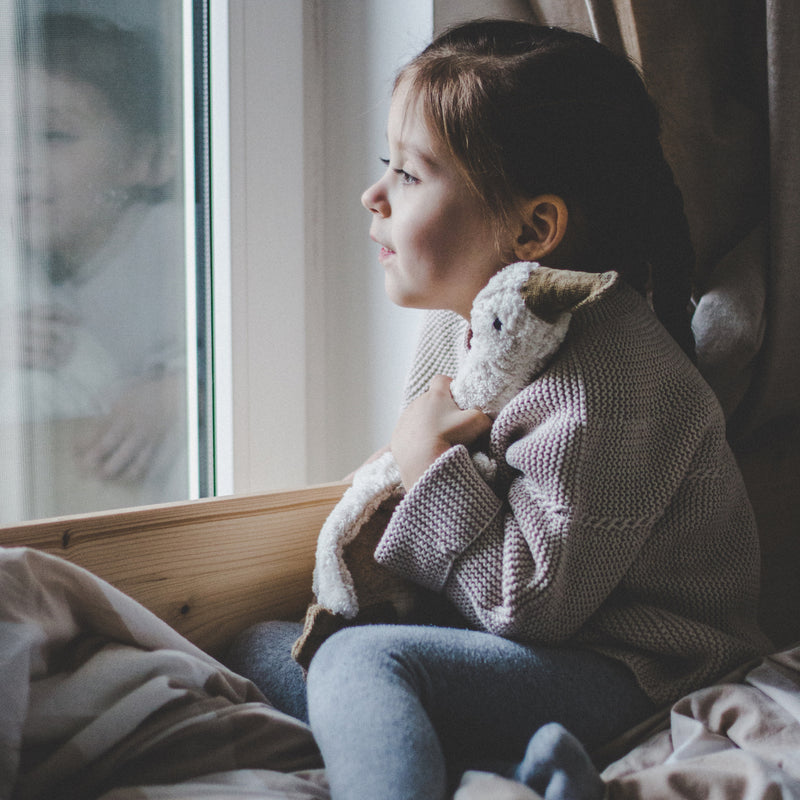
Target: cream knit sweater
618,520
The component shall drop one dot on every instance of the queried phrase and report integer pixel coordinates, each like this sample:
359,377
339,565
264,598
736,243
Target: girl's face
79,167
438,243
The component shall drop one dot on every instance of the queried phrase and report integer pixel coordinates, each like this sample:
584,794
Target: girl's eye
406,177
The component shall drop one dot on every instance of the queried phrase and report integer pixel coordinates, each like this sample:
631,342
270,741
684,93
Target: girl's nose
374,200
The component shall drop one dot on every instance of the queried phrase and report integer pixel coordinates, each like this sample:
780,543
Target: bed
111,625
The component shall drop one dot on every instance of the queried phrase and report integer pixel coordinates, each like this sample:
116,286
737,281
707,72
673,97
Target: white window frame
307,348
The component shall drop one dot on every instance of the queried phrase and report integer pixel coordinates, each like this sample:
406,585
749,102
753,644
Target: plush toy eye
498,326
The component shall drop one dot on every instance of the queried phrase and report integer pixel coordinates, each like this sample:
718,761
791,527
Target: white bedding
99,696
101,699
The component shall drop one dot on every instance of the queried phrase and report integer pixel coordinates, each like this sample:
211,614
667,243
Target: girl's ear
543,227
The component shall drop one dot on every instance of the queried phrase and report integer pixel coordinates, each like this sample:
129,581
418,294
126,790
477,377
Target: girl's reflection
101,324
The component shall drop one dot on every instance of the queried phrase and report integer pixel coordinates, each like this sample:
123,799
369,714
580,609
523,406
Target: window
99,403
244,164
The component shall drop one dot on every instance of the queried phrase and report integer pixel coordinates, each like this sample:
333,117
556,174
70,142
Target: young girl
613,565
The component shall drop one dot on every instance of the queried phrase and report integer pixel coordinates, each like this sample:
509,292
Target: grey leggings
400,711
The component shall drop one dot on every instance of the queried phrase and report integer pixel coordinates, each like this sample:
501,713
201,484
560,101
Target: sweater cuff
442,514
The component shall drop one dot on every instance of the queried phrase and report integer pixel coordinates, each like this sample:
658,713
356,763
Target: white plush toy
518,322
508,343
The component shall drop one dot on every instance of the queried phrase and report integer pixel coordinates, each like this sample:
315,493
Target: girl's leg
394,707
262,653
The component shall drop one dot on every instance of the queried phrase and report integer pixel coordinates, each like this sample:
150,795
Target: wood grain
207,567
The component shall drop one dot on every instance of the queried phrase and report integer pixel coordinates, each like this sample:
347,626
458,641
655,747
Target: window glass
96,388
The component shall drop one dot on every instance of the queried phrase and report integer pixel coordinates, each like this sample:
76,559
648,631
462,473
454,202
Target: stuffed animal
518,322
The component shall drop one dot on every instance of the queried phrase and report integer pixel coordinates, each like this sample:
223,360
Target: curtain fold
722,74
778,387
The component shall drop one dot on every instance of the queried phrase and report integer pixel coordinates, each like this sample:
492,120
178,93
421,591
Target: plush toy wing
373,484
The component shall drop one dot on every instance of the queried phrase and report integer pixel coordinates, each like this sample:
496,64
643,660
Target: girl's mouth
385,253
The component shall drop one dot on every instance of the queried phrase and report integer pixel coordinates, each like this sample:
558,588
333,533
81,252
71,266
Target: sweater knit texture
618,520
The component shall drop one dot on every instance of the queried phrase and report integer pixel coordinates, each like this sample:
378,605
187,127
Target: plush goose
518,322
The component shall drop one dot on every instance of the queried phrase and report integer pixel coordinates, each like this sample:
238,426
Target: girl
614,564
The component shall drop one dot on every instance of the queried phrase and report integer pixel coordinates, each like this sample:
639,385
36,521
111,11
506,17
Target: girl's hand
430,426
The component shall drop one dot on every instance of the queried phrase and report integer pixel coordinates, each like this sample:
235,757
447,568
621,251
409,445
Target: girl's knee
355,659
349,650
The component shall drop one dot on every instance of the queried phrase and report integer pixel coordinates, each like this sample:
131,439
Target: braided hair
528,110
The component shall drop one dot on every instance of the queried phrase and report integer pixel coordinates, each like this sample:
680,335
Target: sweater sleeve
534,567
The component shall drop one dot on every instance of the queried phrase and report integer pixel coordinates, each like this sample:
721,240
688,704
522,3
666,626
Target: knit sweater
617,521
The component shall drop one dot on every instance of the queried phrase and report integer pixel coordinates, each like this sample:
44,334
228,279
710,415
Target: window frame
309,409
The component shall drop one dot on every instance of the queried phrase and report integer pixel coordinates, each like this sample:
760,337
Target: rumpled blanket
101,699
730,741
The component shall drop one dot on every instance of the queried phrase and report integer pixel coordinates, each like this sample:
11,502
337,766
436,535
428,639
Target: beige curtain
725,74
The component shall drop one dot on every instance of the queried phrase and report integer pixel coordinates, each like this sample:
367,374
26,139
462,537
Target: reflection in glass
93,333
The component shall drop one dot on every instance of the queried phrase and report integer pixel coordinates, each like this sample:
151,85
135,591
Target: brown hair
527,110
